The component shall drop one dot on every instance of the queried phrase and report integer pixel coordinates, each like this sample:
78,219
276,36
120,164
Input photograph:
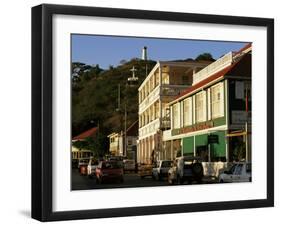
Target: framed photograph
145,112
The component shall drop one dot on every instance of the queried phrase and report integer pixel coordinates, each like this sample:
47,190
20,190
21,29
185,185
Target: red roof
89,133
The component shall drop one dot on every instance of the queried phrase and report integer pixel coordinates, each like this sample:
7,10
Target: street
80,182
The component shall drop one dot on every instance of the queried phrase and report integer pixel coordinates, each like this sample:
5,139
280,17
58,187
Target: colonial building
121,144
115,144
165,81
212,118
83,153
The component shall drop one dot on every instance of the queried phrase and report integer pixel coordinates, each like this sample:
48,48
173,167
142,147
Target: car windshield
232,168
239,168
112,165
166,163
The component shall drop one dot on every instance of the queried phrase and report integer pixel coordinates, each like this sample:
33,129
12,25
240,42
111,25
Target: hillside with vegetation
95,97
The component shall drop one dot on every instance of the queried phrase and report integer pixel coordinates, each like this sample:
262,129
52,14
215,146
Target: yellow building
115,144
165,81
121,144
83,153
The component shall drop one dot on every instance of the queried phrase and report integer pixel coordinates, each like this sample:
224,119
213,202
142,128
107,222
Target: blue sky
110,50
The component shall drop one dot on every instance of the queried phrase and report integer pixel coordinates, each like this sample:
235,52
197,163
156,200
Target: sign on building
240,117
213,139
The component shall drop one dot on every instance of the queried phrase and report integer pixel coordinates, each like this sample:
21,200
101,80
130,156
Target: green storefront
198,145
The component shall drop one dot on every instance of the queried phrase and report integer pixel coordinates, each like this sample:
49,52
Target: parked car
82,165
186,168
145,170
91,168
239,172
129,165
109,170
161,169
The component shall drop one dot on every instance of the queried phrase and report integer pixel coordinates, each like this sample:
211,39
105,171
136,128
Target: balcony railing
165,123
151,127
172,90
213,68
164,90
151,98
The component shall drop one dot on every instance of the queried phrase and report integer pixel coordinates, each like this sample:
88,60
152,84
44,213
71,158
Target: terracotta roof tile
89,133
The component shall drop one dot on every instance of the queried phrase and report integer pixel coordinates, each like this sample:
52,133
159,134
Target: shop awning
237,134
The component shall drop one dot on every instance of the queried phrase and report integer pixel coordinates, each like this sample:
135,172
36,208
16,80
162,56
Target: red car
109,170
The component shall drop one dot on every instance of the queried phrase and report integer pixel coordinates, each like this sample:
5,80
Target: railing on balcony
165,123
151,127
172,90
151,98
213,68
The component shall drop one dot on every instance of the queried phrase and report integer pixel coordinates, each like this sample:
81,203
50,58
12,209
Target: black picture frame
42,111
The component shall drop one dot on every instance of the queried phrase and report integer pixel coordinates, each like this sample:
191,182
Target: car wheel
197,169
221,181
199,180
159,177
178,179
153,177
97,181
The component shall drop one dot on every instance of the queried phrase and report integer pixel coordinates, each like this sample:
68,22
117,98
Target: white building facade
165,81
115,144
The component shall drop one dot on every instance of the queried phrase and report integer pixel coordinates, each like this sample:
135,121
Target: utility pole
124,148
125,134
246,123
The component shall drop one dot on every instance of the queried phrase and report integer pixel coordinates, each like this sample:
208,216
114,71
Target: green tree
96,145
205,56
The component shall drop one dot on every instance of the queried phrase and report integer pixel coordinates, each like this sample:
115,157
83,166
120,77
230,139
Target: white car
91,168
239,172
186,168
82,162
161,169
